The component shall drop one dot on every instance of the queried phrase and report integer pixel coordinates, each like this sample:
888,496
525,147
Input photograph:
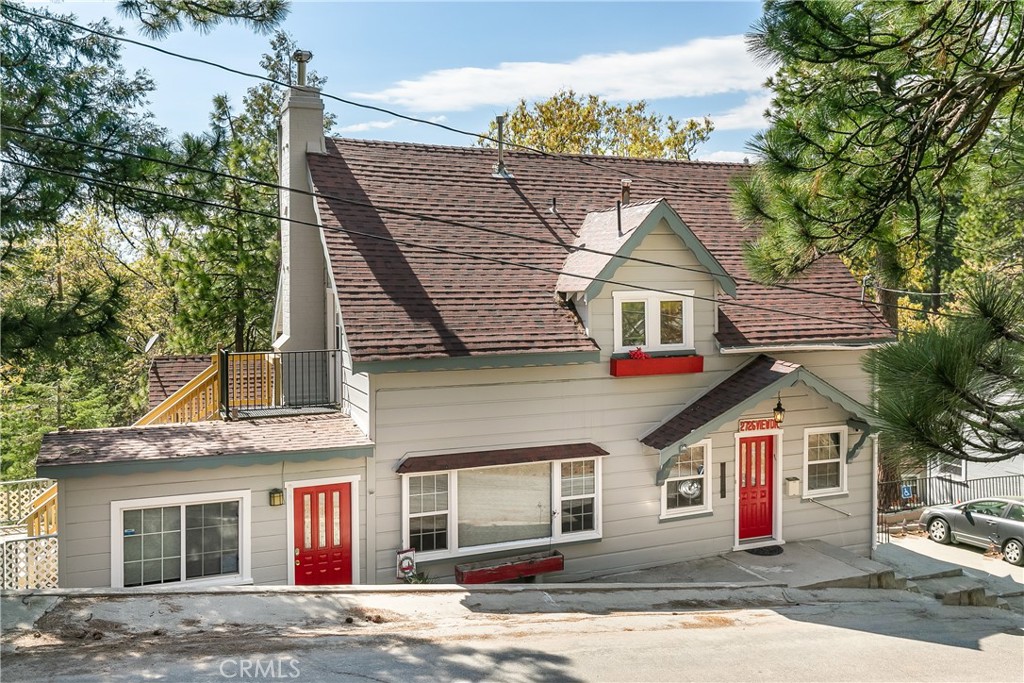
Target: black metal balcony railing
263,384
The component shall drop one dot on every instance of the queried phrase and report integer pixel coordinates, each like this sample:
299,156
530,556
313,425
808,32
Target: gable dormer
641,278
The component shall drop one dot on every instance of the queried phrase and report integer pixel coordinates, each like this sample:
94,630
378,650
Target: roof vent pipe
499,169
618,216
625,190
302,57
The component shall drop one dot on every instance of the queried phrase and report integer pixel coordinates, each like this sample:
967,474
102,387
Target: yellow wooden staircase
253,382
197,401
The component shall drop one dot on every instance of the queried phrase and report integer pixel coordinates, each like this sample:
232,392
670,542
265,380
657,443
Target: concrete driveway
973,560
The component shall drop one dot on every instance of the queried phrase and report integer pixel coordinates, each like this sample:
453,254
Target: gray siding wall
437,412
85,513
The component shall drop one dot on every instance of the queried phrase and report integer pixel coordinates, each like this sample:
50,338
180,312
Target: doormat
767,550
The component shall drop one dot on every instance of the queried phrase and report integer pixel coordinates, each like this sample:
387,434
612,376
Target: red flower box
666,365
510,568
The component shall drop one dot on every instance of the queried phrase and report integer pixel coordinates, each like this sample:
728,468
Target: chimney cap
302,56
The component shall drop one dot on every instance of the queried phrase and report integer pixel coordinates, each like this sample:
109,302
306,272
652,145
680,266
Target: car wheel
938,530
1013,552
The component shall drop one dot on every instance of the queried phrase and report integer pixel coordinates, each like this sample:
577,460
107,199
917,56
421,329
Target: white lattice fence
30,563
16,498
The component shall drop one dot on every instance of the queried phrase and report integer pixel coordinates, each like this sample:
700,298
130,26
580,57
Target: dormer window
653,321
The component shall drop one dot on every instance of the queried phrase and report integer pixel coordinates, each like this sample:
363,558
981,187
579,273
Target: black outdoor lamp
276,497
779,412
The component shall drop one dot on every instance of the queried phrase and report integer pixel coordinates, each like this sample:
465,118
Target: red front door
323,534
756,486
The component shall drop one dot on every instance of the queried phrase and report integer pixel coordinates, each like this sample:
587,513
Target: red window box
510,568
657,365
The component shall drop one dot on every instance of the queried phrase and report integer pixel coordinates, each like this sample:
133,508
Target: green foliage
880,112
158,18
957,392
568,123
68,84
224,263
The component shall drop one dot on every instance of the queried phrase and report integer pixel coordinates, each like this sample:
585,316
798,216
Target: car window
1016,513
987,507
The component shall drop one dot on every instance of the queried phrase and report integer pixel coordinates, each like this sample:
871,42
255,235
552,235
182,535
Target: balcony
249,385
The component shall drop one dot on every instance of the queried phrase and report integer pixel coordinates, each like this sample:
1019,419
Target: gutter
730,350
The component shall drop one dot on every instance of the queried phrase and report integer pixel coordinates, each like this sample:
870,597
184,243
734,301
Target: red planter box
669,365
508,568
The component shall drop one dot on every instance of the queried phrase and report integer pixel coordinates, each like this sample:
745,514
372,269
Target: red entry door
756,486
323,535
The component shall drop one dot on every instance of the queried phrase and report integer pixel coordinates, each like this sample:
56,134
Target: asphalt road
909,638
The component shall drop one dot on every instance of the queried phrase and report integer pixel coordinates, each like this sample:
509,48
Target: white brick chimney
299,317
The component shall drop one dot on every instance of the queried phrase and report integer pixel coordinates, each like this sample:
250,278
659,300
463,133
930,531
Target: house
483,354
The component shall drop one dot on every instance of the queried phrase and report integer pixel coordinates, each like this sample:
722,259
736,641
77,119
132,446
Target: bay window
477,510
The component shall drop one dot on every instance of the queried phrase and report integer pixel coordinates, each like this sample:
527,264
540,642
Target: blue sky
462,63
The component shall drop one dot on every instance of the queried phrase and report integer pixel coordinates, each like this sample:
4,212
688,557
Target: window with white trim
199,538
954,469
687,489
477,510
653,321
824,460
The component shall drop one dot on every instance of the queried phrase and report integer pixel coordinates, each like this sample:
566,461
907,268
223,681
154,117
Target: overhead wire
439,249
360,105
438,219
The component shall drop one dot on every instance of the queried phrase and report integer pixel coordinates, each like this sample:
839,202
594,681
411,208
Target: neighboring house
473,409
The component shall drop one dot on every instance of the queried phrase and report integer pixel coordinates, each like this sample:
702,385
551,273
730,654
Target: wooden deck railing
197,401
42,521
244,385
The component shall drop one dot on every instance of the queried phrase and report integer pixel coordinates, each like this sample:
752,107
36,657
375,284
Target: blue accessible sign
906,491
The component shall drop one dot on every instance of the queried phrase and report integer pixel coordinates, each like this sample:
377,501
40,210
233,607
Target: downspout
874,494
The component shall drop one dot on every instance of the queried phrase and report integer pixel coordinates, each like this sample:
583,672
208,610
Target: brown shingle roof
759,373
400,302
200,439
167,374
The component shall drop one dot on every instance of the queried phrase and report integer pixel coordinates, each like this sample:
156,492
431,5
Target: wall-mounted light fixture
276,497
779,412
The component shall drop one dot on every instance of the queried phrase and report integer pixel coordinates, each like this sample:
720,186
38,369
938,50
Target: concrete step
875,574
956,590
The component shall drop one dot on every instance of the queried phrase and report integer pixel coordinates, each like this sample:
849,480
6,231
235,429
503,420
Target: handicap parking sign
905,491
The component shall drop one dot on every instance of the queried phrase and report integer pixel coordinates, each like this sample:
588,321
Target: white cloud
438,119
749,115
368,125
704,66
726,155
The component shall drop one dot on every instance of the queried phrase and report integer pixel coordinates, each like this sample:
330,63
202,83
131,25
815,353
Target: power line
361,105
428,217
443,250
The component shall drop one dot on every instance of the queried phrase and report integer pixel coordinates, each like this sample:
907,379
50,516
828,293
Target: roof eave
801,374
476,362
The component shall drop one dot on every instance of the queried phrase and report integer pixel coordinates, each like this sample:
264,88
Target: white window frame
652,319
454,551
960,475
666,513
244,574
843,432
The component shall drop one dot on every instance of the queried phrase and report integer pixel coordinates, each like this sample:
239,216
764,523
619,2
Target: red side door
323,535
756,488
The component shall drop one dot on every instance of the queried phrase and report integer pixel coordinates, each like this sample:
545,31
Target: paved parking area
973,560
